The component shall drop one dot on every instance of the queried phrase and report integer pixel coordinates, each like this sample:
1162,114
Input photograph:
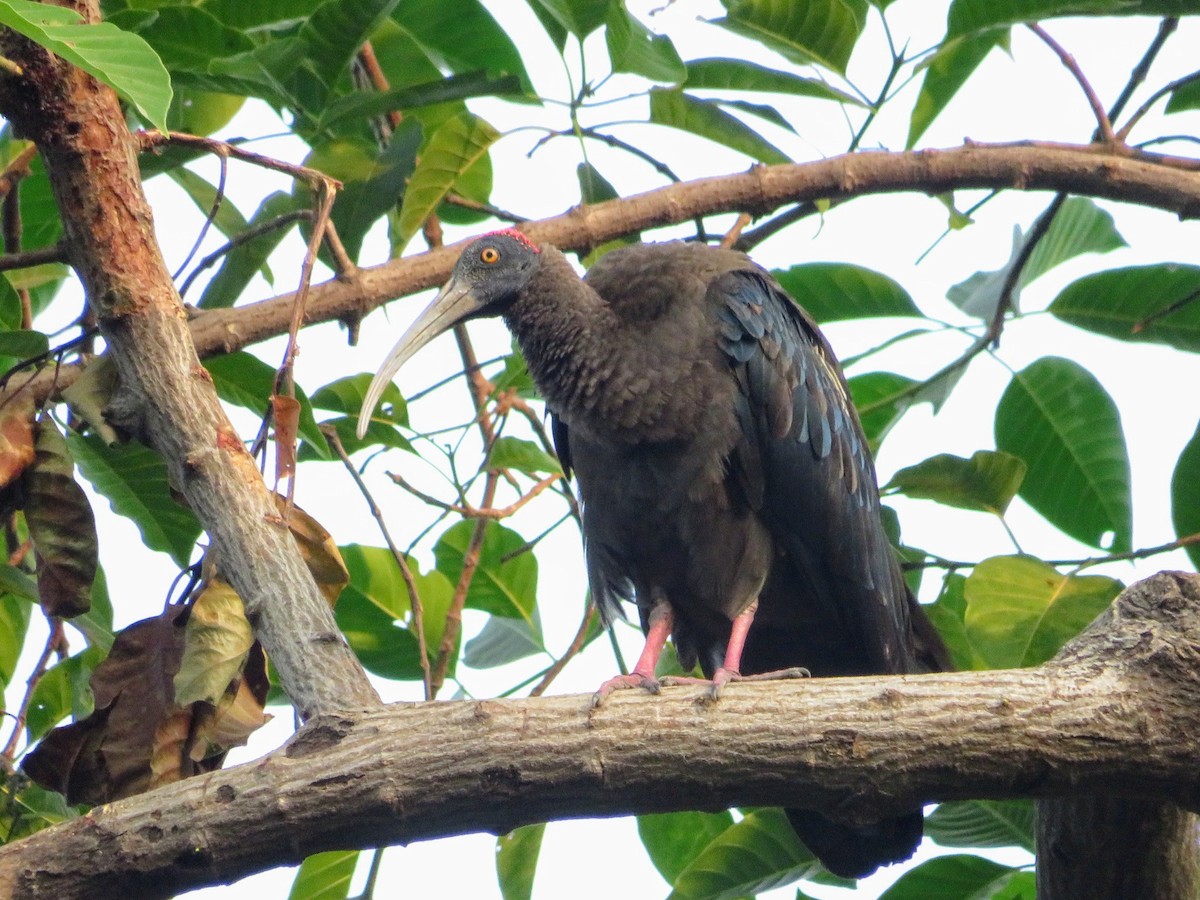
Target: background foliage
413,127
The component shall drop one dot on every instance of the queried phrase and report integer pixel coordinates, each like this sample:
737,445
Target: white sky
1028,96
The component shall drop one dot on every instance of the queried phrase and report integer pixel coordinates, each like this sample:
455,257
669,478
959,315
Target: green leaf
245,380
705,118
345,396
674,840
1185,495
1185,97
23,344
15,582
451,151
987,481
881,398
505,581
524,456
14,621
1079,227
383,645
820,31
362,105
632,47
325,876
954,878
1057,417
249,257
1020,611
464,36
833,292
967,16
373,181
980,294
516,860
96,624
123,61
187,38
945,73
202,112
32,809
335,31
594,187
982,823
948,614
757,854
64,690
1158,304
720,74
134,480
579,17
504,640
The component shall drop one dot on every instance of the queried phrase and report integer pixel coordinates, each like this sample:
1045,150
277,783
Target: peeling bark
1117,714
167,397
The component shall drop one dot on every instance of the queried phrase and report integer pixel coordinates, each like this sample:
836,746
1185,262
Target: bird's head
485,281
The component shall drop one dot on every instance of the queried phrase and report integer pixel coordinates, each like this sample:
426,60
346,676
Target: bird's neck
558,320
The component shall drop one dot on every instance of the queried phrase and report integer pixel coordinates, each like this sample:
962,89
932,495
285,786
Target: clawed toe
623,683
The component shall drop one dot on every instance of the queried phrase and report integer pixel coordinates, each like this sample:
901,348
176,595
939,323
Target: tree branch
1116,713
165,395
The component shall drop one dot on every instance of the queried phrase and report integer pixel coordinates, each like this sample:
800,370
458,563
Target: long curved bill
454,303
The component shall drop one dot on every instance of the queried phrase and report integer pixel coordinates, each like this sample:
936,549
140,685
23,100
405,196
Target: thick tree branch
166,396
1117,713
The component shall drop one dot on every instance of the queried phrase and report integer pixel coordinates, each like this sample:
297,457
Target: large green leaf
463,35
579,17
362,105
134,480
987,481
1159,304
675,109
1057,417
982,823
632,47
958,877
881,398
504,640
345,396
187,38
673,840
516,860
383,645
64,690
1079,227
741,75
14,621
1020,610
820,31
948,615
121,60
945,73
524,456
967,16
832,292
451,151
249,257
1185,495
758,853
505,581
325,876
335,31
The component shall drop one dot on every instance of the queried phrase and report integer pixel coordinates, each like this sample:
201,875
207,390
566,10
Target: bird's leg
659,625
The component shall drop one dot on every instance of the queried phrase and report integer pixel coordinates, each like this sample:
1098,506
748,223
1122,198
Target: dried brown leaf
319,550
61,525
16,437
286,412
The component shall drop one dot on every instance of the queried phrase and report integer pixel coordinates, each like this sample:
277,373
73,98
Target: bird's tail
855,851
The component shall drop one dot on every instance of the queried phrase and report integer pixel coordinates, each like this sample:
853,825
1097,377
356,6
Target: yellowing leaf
320,553
216,641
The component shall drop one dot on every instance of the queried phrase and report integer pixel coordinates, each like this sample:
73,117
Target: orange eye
489,255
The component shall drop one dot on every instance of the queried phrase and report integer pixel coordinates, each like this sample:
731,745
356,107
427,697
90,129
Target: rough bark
166,396
1117,714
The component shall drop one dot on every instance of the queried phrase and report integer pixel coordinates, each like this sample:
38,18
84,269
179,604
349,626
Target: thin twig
1154,98
1103,122
771,227
589,615
55,253
1005,302
17,169
470,512
150,140
53,643
218,199
1087,562
494,211
731,237
1166,28
410,583
255,231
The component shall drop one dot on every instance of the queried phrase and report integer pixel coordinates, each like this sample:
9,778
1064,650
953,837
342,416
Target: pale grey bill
453,303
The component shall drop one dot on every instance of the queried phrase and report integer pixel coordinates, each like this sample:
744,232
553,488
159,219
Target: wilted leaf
107,755
90,393
16,437
216,641
285,411
61,526
502,641
320,553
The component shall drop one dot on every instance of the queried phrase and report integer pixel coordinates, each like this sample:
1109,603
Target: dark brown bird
726,483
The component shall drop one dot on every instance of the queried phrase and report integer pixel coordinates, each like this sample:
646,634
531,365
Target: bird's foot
634,679
723,676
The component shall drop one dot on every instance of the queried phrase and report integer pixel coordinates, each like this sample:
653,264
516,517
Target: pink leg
662,620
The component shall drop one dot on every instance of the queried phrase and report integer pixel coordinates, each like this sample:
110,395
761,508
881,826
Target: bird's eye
489,255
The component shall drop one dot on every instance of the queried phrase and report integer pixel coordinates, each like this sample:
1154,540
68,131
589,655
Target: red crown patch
519,236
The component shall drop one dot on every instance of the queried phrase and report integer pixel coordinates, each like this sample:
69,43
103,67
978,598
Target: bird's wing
562,442
803,461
